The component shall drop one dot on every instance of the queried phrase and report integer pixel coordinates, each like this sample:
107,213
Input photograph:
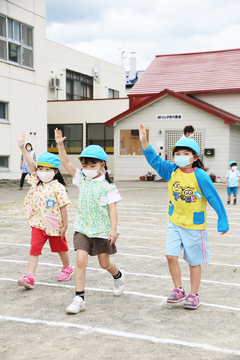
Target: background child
46,208
24,165
96,221
232,182
188,131
186,212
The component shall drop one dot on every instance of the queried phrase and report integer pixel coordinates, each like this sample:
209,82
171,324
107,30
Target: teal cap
232,162
49,160
187,142
94,151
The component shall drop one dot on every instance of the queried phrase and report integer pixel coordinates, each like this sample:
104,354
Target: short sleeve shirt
233,177
42,205
25,167
93,216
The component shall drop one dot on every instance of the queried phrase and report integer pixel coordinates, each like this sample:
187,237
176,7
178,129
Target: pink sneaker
27,281
176,296
192,302
66,273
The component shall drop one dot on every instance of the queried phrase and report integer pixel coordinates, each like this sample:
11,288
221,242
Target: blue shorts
233,190
194,242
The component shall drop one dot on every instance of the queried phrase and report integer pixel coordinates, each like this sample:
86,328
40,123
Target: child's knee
171,259
105,265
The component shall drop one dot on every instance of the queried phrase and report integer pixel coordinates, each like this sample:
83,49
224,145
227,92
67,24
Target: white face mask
191,136
234,167
45,176
29,148
91,174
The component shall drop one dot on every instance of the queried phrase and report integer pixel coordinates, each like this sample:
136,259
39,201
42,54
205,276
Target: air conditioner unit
58,83
52,84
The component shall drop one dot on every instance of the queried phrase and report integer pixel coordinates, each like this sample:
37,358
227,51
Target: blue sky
106,28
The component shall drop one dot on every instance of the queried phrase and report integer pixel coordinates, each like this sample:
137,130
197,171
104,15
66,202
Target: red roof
227,117
191,73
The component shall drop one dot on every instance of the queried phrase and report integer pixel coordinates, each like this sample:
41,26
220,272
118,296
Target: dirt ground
137,325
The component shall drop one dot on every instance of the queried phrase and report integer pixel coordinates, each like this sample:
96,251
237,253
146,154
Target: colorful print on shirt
93,216
42,205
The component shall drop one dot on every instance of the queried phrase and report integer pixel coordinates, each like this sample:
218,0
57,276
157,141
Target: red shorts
39,238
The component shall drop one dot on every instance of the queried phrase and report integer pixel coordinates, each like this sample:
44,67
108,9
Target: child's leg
78,303
64,255
118,276
32,263
175,270
195,278
234,199
106,264
80,271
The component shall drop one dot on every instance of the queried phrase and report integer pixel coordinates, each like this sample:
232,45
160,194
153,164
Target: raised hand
21,140
143,136
142,133
59,138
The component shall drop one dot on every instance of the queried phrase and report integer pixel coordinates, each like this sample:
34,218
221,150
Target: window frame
104,139
6,119
133,136
12,41
55,147
115,92
5,168
85,81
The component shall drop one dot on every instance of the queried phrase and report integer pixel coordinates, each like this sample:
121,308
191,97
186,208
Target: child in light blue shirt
232,182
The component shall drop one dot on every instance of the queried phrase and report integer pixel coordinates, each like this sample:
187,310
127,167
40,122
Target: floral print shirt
42,205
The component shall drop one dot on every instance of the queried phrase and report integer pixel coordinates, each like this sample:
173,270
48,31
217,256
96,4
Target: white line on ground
128,273
122,334
136,255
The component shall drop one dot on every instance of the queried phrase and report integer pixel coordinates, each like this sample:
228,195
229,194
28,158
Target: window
73,142
98,134
16,42
130,143
79,86
3,112
113,94
3,163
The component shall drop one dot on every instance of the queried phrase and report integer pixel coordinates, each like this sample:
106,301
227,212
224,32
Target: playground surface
137,325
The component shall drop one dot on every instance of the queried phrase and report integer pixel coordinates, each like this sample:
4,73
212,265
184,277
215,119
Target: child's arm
143,137
163,168
62,153
26,155
112,236
63,211
207,188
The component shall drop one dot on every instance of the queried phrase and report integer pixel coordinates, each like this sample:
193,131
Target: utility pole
122,55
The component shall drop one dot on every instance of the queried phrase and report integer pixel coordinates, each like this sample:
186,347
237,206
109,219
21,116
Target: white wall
216,136
25,90
60,58
229,102
234,144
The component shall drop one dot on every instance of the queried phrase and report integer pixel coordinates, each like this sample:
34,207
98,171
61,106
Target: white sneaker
77,305
119,285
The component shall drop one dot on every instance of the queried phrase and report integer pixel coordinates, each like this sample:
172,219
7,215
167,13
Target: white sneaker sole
74,311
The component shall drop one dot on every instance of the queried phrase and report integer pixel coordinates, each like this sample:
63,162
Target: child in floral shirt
46,209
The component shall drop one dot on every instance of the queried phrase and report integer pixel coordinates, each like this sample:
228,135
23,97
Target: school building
33,71
198,89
